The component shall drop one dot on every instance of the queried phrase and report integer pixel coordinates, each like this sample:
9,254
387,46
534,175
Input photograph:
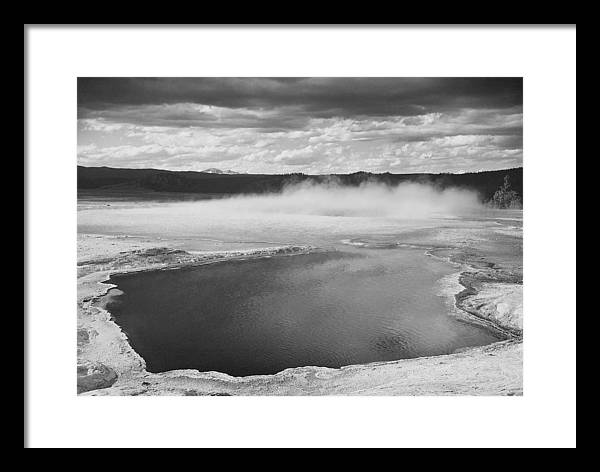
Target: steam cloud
407,200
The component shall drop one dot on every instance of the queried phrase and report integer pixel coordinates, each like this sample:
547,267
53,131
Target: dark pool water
262,316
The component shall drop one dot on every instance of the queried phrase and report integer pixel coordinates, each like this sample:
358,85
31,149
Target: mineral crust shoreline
107,364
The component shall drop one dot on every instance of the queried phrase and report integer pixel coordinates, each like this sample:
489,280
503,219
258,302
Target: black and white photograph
309,236
300,236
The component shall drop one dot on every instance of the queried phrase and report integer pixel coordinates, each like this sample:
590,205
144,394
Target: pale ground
107,365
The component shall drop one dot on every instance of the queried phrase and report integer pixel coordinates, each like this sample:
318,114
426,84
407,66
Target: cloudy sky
310,125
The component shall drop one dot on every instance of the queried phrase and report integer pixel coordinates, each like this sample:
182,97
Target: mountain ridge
214,170
102,179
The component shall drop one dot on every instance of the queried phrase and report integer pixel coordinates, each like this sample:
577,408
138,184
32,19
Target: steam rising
407,200
317,214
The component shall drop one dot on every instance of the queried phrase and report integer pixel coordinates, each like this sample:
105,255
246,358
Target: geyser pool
261,316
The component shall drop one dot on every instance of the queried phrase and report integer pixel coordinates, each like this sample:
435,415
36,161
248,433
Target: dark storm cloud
318,125
318,97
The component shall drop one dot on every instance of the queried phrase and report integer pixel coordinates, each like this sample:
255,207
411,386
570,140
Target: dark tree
506,197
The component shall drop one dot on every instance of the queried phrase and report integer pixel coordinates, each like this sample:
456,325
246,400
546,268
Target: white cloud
188,136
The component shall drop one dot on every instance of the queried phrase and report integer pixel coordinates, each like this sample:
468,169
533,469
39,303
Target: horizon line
301,173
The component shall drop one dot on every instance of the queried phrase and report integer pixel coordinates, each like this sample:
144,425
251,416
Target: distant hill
107,179
214,170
